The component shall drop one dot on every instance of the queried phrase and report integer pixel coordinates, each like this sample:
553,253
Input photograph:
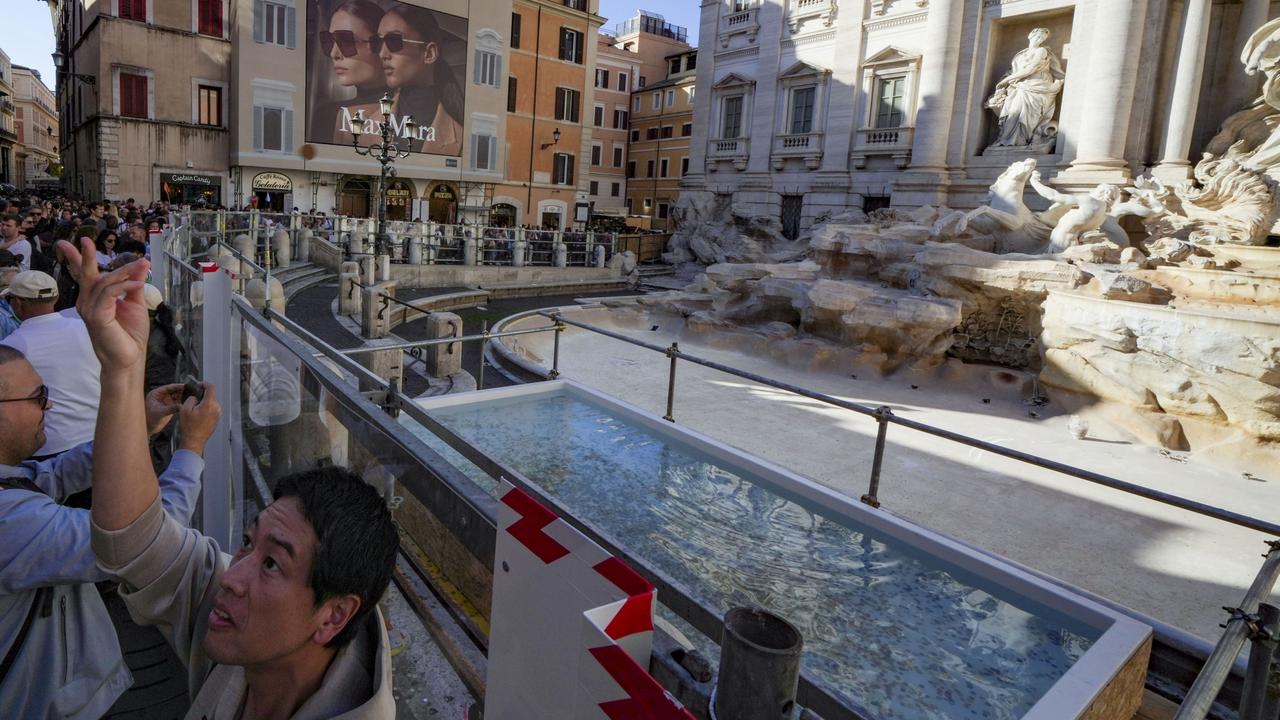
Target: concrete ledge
510,290
428,276
437,303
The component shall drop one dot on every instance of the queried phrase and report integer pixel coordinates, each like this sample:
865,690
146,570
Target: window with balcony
731,117
562,172
744,5
567,104
274,23
890,109
570,45
888,113
209,17
802,110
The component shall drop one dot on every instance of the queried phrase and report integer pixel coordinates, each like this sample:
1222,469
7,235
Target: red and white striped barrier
570,626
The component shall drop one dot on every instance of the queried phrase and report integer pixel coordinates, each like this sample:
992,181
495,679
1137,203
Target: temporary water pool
897,620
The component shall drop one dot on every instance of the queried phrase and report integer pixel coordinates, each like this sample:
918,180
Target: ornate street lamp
386,153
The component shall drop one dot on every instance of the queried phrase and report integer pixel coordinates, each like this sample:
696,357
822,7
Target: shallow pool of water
895,631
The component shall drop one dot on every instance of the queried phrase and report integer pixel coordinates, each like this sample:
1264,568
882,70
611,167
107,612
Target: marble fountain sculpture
1162,300
1025,99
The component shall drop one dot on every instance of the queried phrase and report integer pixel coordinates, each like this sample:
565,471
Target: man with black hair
289,625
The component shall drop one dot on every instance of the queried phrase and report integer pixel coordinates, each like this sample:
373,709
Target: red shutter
211,17
133,95
133,9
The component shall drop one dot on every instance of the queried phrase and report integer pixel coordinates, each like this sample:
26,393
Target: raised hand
113,308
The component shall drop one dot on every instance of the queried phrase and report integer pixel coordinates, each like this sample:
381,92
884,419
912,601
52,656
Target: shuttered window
511,94
563,173
568,101
515,30
272,129
133,95
133,10
488,68
570,45
274,23
483,152
209,21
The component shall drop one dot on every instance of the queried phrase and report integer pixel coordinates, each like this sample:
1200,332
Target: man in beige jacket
286,628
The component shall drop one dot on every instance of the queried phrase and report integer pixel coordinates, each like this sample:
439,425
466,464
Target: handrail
241,256
444,341
326,349
883,416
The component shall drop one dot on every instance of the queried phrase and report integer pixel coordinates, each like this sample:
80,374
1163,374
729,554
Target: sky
27,36
678,12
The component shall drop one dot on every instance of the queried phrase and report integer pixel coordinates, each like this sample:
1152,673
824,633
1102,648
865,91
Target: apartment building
661,128
653,40
142,90
615,74
36,152
807,108
8,119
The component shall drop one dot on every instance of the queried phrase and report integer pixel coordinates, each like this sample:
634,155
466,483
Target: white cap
153,296
32,285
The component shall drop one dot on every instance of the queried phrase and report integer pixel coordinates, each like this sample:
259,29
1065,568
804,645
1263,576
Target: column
1114,56
1174,163
937,85
1243,89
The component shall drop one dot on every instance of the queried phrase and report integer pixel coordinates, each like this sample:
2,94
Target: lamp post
386,153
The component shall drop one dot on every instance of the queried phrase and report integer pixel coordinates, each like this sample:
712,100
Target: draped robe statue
1026,98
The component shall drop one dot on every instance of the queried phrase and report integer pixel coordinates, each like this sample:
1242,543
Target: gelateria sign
273,182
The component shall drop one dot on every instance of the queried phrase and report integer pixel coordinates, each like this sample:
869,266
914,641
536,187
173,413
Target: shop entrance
551,218
442,206
353,201
399,200
190,189
503,215
269,200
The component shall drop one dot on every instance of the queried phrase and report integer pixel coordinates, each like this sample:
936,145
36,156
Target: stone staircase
300,276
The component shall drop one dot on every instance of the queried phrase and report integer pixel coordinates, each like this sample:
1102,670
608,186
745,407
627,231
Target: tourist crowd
91,504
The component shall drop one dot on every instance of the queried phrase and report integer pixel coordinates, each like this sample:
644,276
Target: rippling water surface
892,630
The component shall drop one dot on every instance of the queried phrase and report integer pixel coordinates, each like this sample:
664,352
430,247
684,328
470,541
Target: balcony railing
800,10
799,145
895,141
743,21
736,150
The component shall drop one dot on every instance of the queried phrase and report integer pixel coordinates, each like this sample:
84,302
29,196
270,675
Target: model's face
410,64
265,610
354,62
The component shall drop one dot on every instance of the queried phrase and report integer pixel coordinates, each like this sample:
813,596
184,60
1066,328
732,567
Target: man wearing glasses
59,655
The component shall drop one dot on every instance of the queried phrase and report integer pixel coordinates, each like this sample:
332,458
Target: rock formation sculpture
1250,137
1026,98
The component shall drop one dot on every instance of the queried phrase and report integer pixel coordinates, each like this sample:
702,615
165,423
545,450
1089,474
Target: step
655,270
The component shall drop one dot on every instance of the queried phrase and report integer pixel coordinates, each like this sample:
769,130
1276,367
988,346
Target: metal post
671,382
484,348
1259,700
555,353
882,415
759,667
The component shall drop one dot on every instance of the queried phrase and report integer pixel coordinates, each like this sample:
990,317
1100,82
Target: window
602,78
511,93
648,168
515,30
673,66
597,119
273,23
740,5
570,45
563,171
651,134
648,203
662,211
619,119
617,156
671,98
690,62
691,89
488,68
628,204
614,189
595,187
209,105
635,134
666,131
631,168
662,167
596,154
133,95
209,20
684,166
483,151
889,102
802,110
686,130
272,129
622,82
133,10
643,82
657,100
635,104
731,127
567,101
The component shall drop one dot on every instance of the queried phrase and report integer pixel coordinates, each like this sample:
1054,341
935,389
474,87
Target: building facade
616,72
661,128
142,90
36,152
806,108
8,120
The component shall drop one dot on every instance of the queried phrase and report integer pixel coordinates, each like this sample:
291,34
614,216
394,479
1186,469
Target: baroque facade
808,107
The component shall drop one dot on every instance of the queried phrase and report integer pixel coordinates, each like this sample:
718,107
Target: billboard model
357,50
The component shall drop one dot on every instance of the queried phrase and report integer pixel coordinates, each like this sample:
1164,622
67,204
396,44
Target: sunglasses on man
346,41
41,397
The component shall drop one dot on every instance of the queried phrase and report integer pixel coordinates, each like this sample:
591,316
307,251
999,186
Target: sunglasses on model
346,41
41,397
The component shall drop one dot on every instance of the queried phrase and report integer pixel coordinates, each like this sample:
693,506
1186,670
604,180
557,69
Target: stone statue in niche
1026,98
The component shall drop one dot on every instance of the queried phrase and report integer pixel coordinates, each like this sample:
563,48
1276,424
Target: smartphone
191,389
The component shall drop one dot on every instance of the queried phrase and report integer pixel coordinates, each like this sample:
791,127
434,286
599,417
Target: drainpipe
533,121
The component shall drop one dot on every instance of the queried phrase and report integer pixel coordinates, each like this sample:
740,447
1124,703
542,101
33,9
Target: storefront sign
442,192
272,181
178,179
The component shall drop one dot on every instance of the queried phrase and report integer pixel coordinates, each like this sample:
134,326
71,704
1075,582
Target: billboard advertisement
357,50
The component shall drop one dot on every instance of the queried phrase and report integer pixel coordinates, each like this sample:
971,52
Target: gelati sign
272,181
